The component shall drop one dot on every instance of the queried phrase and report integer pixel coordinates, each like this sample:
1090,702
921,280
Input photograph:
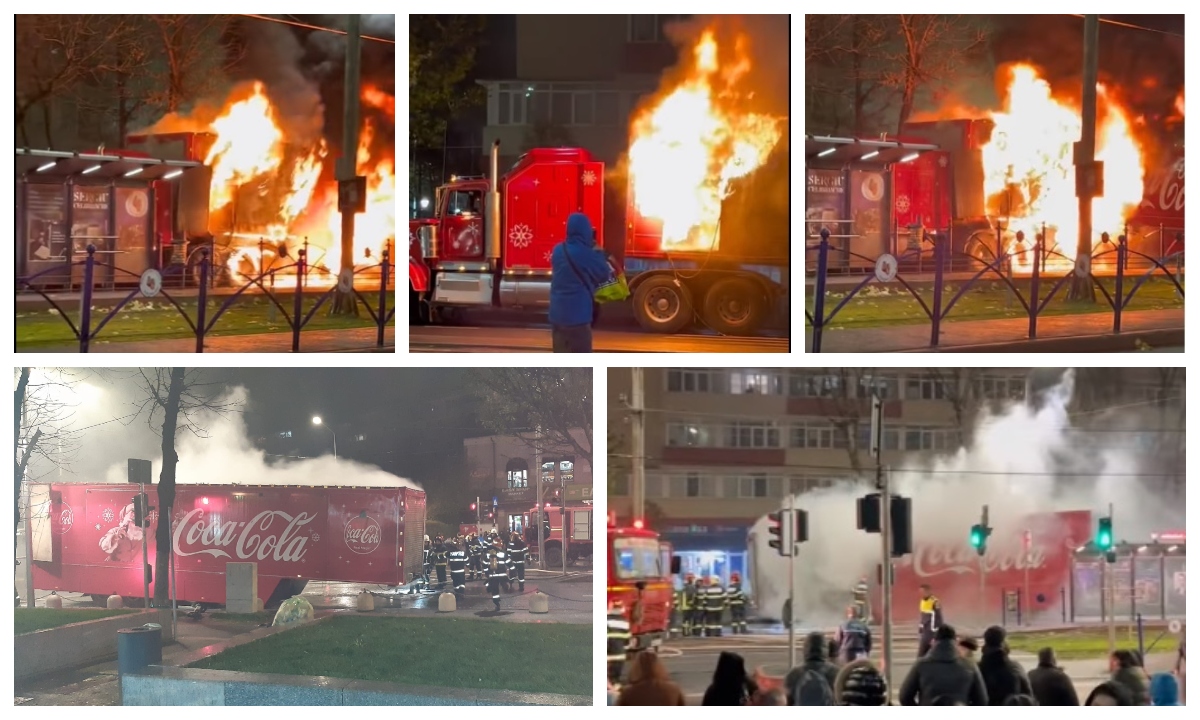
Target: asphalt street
451,338
691,661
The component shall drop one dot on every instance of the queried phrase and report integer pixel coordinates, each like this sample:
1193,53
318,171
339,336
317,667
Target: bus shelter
67,201
850,191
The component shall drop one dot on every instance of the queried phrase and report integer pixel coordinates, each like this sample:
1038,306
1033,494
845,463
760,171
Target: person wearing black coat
1002,675
943,677
730,684
1051,684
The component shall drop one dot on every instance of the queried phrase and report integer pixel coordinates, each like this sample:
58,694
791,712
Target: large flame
251,151
687,147
1029,171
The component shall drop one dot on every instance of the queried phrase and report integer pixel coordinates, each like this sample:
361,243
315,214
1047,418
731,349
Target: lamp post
317,421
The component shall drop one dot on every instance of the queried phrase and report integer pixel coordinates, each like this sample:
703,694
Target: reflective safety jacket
439,555
498,565
931,614
714,598
735,596
516,550
618,636
457,560
861,590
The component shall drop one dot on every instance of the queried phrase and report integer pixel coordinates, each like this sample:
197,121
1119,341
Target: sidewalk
1056,333
353,340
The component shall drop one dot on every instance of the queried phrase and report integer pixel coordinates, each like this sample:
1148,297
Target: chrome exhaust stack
491,212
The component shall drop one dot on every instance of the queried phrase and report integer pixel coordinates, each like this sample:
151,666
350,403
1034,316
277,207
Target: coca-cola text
251,542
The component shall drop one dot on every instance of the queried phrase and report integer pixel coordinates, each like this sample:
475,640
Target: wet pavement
439,338
352,340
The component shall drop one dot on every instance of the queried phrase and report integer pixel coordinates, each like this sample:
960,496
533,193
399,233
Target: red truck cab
640,583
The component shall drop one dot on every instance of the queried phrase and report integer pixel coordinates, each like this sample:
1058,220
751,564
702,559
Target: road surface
691,661
445,338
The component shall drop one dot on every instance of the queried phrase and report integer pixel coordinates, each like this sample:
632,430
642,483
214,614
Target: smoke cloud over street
1024,459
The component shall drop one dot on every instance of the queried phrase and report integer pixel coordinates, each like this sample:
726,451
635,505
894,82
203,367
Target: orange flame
686,148
1029,172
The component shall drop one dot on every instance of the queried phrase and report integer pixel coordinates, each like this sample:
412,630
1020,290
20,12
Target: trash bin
138,647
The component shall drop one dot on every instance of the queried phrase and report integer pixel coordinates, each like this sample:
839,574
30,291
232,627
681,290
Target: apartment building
502,475
724,446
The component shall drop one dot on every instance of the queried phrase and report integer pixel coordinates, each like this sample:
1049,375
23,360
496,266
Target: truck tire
734,306
662,304
553,556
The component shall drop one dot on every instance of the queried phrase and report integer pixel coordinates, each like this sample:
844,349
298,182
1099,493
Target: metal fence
893,269
203,322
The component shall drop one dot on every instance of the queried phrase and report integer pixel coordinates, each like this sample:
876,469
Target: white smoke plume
221,454
1024,458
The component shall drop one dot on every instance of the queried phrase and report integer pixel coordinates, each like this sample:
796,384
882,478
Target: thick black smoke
330,48
274,56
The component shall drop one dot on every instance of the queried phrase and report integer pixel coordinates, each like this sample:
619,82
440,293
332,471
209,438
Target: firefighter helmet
714,580
690,577
734,577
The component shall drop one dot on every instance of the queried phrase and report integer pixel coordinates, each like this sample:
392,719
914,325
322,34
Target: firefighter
618,643
439,560
428,559
862,602
678,611
714,606
694,598
737,605
931,619
516,558
456,558
497,571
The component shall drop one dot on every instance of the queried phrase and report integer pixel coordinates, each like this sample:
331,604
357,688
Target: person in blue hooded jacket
578,268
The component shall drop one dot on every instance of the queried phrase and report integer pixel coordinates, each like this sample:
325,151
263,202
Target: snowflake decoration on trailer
548,255
107,515
902,203
521,235
589,177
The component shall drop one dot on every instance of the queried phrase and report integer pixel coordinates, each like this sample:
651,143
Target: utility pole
562,511
29,594
883,485
790,519
638,469
541,504
1112,596
347,168
982,567
1089,176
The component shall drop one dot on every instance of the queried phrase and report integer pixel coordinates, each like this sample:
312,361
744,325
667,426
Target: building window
606,109
650,28
690,380
753,486
931,439
688,434
755,382
583,109
803,383
888,387
517,471
693,485
817,436
746,434
1001,388
924,388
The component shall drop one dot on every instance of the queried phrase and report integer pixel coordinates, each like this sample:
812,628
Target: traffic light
868,513
979,536
901,526
1104,534
801,534
779,528
472,506
140,509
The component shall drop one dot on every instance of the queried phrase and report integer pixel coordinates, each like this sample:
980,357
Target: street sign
1175,627
345,282
352,194
886,268
150,283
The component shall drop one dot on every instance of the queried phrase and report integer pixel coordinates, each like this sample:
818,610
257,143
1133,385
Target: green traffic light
1104,535
976,536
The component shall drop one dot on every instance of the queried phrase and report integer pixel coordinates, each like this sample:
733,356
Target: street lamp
317,421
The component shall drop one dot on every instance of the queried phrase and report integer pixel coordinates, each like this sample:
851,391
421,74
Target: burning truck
92,544
261,196
992,179
705,241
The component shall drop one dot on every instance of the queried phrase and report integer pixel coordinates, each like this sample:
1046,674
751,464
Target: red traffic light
472,506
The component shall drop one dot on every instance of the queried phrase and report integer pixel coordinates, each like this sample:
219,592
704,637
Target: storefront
68,201
709,548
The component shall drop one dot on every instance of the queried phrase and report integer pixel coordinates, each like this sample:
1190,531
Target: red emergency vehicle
578,538
347,534
640,583
489,244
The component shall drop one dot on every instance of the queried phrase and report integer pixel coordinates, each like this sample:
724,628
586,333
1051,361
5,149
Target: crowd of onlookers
954,672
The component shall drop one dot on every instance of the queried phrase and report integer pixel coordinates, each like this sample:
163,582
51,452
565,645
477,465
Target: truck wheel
553,557
662,304
418,310
734,306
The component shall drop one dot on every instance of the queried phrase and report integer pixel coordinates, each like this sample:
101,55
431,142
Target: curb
1107,343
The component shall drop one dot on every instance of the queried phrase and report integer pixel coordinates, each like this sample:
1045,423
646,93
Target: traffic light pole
637,411
1112,596
982,567
884,478
145,553
790,519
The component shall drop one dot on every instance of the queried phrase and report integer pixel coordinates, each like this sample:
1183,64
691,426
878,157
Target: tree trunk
46,125
166,491
856,54
18,405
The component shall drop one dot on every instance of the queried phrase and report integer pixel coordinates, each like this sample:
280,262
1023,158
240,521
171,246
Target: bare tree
558,400
844,398
960,388
54,54
43,415
192,55
933,50
175,400
844,72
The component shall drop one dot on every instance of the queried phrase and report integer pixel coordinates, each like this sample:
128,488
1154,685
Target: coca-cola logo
934,560
270,534
362,534
66,520
1166,189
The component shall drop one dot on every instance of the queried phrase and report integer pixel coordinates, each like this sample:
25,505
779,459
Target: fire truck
91,543
578,540
931,179
640,583
489,244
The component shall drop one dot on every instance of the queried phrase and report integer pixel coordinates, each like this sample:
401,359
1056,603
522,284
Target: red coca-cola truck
489,244
92,544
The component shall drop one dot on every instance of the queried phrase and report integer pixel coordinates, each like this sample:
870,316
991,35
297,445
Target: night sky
411,419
